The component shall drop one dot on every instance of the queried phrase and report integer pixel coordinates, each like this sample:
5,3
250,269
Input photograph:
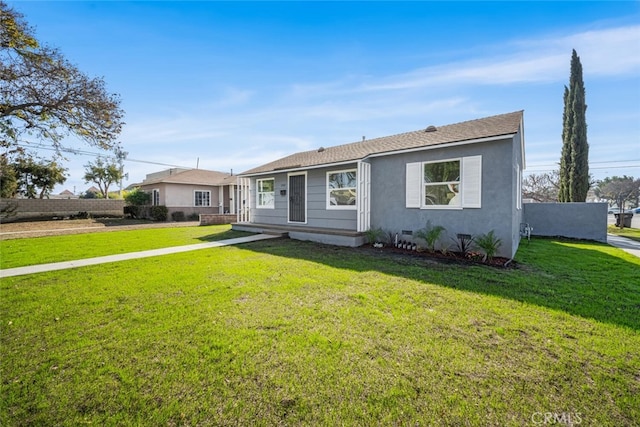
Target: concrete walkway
20,271
627,245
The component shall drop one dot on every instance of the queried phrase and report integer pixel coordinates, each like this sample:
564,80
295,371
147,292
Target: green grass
630,233
282,332
42,250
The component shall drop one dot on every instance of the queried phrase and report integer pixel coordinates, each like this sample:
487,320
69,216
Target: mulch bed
471,258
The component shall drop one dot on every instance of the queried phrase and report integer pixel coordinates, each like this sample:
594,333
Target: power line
593,163
590,168
89,153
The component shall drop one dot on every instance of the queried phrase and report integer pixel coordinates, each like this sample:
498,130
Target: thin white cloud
241,128
607,52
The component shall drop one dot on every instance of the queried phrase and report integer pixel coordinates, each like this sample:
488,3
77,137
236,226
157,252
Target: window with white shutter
471,182
436,185
414,185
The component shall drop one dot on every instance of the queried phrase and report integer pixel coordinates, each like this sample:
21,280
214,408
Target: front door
298,198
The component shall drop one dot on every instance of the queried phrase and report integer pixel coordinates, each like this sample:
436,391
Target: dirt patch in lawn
22,230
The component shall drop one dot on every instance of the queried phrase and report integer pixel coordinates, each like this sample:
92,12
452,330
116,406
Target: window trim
329,206
272,205
195,204
154,192
470,184
423,184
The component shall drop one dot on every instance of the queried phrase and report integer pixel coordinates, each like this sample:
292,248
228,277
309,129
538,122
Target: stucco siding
388,188
181,197
178,195
573,220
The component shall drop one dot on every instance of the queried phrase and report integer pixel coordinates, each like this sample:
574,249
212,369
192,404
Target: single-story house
192,191
465,177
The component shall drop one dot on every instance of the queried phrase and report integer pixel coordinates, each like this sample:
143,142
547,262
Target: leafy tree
619,190
8,179
45,96
36,179
542,187
103,174
574,160
89,195
138,197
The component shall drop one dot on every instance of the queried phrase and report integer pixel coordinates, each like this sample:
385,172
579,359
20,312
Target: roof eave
301,168
382,154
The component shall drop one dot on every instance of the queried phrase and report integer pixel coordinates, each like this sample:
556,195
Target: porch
328,236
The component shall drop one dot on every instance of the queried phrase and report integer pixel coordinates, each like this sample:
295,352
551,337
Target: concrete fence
49,208
574,220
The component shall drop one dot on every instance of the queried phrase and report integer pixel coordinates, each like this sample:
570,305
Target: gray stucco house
465,177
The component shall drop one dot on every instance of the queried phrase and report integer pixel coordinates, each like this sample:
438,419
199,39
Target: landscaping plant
489,243
430,234
374,235
463,243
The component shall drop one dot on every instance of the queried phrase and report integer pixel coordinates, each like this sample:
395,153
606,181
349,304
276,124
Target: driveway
627,245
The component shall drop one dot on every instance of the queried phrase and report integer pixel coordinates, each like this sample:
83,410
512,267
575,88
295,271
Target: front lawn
283,332
42,250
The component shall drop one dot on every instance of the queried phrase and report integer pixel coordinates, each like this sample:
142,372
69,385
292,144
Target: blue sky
234,85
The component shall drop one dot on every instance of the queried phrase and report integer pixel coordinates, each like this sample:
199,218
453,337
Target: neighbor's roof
194,177
494,126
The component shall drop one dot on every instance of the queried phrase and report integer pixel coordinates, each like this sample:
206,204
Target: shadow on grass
580,279
227,234
120,222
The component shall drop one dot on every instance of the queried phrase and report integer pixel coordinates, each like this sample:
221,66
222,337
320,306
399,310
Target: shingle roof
195,177
504,124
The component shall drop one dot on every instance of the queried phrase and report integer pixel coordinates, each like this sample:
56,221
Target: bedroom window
445,184
266,193
341,189
202,198
442,183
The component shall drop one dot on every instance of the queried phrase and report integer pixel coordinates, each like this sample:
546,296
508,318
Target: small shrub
489,243
159,213
133,211
177,216
430,234
9,210
194,217
464,243
82,215
374,235
389,236
138,197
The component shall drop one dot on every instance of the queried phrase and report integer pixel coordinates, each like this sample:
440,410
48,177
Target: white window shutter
414,184
471,182
363,195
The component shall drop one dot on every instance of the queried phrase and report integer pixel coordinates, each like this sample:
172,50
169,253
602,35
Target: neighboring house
192,191
465,177
66,194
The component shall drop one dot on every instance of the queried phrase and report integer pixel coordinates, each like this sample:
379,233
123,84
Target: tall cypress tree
565,157
574,161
